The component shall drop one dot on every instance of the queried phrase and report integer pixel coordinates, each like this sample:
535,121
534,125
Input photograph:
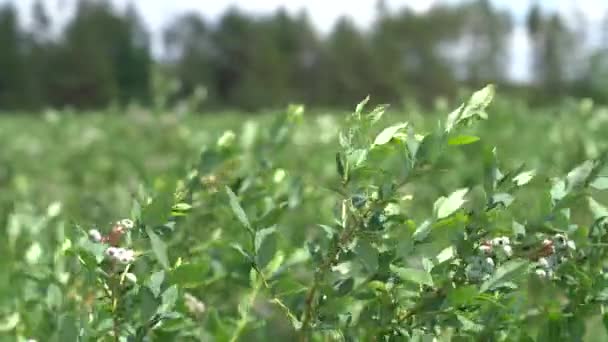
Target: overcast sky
158,13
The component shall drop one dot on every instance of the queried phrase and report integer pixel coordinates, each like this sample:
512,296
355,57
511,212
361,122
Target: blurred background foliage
250,62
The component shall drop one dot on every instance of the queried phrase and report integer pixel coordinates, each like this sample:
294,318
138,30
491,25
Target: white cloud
593,10
520,55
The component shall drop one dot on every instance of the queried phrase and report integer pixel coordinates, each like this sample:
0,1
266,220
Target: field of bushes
368,224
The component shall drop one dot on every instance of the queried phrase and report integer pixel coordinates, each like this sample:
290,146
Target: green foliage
387,231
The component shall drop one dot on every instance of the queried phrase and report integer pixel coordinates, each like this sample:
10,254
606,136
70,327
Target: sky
158,13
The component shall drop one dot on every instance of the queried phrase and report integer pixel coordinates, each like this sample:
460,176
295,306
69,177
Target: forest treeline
103,56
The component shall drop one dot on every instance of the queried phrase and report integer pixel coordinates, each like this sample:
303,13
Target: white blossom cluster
126,223
95,235
501,246
122,255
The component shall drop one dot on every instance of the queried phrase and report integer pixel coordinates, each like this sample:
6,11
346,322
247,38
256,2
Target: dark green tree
132,58
595,81
190,53
104,56
304,58
347,70
82,72
412,53
12,68
486,32
235,42
40,47
554,49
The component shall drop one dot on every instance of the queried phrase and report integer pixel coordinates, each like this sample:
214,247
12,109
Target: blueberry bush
400,233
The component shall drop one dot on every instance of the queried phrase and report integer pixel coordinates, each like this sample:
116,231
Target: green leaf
503,198
182,207
422,231
368,255
155,282
168,299
344,140
376,114
469,325
582,175
68,328
54,209
340,165
446,206
209,160
430,148
343,287
189,275
295,110
158,247
413,275
503,274
158,212
579,175
453,118
242,251
9,322
475,108
524,337
91,254
463,140
237,209
518,229
492,174
136,210
479,101
524,177
148,304
600,183
462,295
597,209
413,142
265,246
558,190
360,106
446,254
54,297
388,133
356,158
33,253
477,104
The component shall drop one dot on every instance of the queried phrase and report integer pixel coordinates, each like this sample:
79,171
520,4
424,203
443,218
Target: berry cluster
481,266
554,252
113,239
